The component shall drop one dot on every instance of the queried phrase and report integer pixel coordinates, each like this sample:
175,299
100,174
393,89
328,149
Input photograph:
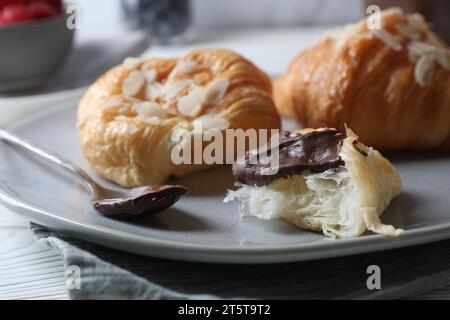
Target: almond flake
121,118
421,48
151,75
131,129
150,109
189,106
424,71
133,83
172,89
408,31
388,39
132,99
216,90
412,28
413,55
131,63
150,120
416,20
207,122
185,66
113,102
440,55
153,91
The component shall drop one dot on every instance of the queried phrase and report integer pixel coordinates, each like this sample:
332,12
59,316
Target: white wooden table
29,270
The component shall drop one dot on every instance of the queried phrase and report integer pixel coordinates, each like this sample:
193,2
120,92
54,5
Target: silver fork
124,203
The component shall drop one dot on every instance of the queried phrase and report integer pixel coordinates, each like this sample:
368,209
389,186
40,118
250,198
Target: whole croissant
391,85
128,117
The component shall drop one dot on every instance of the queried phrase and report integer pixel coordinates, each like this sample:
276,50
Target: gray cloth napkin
111,274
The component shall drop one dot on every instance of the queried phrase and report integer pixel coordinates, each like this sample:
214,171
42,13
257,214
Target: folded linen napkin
111,274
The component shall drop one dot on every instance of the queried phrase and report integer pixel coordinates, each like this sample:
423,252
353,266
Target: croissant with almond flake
391,85
128,117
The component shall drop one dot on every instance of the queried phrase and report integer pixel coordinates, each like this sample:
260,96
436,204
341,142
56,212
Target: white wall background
105,14
224,13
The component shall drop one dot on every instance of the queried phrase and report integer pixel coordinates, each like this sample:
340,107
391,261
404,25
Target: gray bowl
31,52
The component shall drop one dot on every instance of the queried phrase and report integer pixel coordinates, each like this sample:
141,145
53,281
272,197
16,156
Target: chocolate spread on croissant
316,151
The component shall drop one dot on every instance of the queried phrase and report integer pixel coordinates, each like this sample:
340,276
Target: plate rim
116,239
231,254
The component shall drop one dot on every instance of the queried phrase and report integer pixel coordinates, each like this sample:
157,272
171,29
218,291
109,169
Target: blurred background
217,14
40,55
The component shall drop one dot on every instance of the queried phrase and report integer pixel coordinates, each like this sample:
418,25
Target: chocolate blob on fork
121,204
141,202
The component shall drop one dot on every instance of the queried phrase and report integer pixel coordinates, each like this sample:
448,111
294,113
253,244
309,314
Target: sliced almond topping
412,28
132,99
133,84
388,39
191,104
113,102
216,90
151,75
131,129
150,109
440,55
413,55
408,31
421,48
172,89
153,91
131,63
417,20
150,120
186,66
424,71
417,49
121,118
189,107
210,122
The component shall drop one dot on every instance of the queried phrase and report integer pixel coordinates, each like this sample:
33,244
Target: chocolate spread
147,201
315,151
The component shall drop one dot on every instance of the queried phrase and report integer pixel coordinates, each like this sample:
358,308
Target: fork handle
23,143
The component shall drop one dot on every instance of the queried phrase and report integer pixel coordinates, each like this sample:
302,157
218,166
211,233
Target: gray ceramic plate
200,227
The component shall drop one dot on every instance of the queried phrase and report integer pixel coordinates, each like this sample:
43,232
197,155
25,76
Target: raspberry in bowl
20,11
34,39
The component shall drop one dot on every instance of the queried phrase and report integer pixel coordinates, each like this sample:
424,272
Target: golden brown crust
130,150
359,80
